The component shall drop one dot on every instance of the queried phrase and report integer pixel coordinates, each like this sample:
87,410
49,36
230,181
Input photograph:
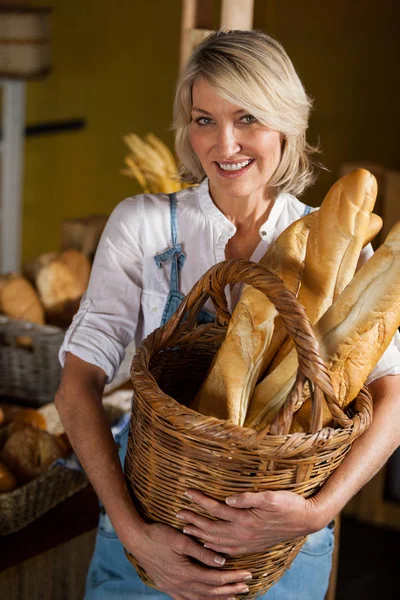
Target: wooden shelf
197,21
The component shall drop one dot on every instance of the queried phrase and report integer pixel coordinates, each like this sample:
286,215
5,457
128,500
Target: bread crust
242,356
335,240
356,330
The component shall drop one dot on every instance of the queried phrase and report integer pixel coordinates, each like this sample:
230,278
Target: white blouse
127,292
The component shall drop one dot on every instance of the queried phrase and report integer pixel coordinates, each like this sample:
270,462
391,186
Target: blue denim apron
112,577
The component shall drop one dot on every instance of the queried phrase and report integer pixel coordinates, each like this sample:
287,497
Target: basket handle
311,366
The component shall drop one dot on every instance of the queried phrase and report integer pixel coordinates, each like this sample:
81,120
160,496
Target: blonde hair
253,71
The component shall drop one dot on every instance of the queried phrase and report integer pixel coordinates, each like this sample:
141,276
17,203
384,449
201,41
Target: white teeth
234,166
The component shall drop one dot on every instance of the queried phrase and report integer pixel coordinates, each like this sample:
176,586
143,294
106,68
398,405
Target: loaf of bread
29,452
241,357
61,283
356,330
344,225
334,243
19,300
359,326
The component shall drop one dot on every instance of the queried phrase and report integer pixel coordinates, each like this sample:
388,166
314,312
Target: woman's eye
248,119
203,121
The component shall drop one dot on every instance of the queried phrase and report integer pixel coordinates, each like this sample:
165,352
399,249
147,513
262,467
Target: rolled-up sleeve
106,321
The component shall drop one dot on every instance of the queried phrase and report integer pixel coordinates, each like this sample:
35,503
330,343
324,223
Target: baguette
241,357
334,243
356,330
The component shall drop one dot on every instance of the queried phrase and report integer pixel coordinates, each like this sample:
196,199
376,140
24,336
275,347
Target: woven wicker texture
32,500
31,374
172,448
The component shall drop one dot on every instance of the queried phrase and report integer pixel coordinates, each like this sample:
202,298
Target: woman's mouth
234,169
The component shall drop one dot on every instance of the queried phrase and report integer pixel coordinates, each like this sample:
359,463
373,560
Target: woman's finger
188,547
229,550
215,579
215,527
206,536
214,508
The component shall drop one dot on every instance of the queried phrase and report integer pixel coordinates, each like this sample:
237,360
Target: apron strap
175,253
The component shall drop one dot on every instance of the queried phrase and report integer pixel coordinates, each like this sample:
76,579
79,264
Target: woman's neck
246,213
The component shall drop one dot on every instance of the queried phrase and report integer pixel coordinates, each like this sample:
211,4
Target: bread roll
29,452
79,265
61,284
32,268
61,279
19,300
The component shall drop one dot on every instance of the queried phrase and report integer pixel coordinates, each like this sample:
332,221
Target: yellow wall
115,64
347,54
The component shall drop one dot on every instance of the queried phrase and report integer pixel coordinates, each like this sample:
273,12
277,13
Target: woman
241,116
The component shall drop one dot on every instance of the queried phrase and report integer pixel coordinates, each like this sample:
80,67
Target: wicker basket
31,374
172,448
29,502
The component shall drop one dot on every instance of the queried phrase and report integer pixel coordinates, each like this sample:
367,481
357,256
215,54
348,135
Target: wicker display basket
172,448
32,500
29,373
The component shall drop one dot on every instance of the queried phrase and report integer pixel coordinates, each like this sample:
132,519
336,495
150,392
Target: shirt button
263,233
154,309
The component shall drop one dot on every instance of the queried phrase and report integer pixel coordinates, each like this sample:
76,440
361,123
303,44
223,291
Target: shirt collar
212,211
268,227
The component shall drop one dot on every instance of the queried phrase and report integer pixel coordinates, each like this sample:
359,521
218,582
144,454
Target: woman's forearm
79,403
368,453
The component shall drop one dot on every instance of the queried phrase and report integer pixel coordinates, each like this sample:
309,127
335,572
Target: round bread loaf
29,452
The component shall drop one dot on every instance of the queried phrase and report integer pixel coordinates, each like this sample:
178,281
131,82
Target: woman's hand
166,555
251,522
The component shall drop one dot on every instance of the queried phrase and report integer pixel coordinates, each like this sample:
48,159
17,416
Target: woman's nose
227,142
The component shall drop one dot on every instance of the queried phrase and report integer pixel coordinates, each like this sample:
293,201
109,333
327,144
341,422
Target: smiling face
238,153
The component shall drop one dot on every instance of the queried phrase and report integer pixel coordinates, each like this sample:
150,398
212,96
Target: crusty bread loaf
335,234
241,357
79,265
56,284
29,452
356,330
19,300
32,268
61,283
371,302
336,240
334,244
